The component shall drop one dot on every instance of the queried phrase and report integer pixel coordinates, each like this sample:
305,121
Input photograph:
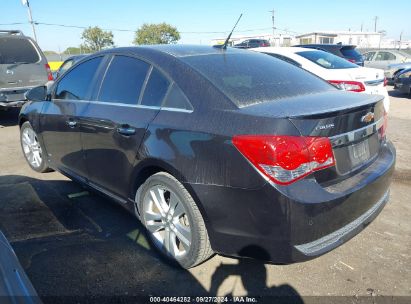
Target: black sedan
402,82
215,150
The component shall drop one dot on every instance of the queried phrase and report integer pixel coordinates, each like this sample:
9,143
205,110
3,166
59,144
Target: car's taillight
347,85
351,60
385,81
285,159
49,74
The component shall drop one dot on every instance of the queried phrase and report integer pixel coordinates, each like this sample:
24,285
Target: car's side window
65,66
124,80
368,56
385,56
155,90
285,58
76,84
176,99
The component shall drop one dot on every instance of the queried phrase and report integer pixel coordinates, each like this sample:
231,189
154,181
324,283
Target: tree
161,33
95,39
72,50
50,53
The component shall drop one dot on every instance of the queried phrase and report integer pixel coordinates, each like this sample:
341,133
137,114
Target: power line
128,30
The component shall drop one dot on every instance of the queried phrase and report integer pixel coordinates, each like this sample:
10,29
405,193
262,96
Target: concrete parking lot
87,246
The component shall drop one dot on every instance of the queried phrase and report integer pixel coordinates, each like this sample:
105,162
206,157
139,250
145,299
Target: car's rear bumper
13,97
286,224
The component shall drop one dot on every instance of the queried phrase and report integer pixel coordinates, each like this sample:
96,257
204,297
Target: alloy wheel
166,219
31,147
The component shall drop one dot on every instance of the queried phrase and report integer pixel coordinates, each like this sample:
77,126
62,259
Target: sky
201,21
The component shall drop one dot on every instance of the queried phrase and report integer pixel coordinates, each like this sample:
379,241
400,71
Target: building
360,39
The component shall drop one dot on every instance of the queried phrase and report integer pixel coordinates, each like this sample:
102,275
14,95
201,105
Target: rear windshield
255,78
327,60
14,50
353,53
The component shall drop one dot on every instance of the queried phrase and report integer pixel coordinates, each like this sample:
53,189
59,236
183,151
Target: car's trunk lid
350,120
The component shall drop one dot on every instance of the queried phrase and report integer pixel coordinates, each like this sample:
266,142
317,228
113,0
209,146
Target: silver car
22,67
381,59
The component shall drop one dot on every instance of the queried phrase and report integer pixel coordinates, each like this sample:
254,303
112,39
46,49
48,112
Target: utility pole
273,19
399,46
26,3
375,23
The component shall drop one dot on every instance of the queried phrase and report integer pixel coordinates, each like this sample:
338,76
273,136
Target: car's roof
329,45
282,50
176,50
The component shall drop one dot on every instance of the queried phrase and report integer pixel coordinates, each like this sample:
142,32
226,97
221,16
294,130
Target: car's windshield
14,51
254,78
327,60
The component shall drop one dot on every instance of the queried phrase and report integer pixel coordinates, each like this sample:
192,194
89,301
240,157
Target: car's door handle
126,130
71,123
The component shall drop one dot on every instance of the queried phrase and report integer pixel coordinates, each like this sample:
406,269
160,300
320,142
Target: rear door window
385,56
156,89
75,85
17,50
176,99
124,80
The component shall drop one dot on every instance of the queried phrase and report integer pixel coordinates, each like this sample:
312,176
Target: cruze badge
324,127
367,117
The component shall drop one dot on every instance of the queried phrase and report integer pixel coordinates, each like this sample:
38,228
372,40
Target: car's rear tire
32,148
173,221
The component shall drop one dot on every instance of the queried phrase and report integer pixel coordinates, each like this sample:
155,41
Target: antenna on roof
224,46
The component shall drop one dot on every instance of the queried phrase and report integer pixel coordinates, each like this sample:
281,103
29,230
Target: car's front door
59,121
116,121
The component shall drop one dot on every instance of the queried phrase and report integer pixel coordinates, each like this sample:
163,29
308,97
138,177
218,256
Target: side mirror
36,94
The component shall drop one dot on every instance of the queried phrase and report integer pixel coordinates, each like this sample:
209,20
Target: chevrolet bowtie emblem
367,117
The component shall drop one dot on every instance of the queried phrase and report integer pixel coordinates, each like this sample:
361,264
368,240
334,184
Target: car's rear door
116,121
61,117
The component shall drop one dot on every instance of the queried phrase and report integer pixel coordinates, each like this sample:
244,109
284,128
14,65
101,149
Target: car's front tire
173,220
33,150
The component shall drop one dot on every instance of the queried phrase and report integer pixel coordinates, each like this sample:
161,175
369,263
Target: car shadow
77,247
253,275
9,117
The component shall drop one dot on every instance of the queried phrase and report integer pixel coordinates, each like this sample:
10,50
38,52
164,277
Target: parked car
402,81
395,68
22,66
252,43
383,58
337,71
215,150
346,51
68,63
15,286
